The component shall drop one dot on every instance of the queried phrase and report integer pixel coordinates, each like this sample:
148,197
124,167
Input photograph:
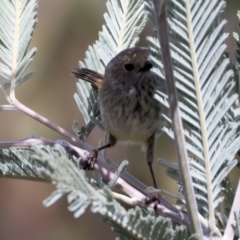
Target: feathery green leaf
206,94
17,163
17,22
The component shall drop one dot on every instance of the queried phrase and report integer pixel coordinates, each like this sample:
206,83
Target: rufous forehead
136,54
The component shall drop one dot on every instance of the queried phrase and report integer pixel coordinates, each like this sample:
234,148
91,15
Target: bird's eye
129,67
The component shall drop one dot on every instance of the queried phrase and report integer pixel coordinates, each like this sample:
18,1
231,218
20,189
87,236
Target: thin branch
231,224
125,199
160,12
8,108
21,107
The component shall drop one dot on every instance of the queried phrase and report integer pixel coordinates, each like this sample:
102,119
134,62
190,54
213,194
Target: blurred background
63,33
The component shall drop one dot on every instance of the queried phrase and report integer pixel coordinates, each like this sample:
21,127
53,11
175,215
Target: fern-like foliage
206,94
83,193
17,22
125,20
18,163
237,55
228,193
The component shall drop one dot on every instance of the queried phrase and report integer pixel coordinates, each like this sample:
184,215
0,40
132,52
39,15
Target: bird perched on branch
129,111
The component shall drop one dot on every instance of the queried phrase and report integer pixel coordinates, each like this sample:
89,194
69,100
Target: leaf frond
17,163
206,93
17,22
237,55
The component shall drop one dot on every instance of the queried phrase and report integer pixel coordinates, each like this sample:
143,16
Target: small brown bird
126,97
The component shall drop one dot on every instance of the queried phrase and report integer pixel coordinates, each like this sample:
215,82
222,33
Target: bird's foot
91,159
153,199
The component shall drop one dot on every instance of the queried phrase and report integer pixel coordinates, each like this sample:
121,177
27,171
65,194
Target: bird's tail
88,75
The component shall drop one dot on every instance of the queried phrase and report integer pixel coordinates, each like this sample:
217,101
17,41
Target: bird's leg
150,156
105,146
92,157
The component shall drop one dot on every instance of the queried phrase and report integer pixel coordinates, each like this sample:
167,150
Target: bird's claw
153,199
90,160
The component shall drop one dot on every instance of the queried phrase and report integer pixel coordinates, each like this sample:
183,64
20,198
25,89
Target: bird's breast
132,115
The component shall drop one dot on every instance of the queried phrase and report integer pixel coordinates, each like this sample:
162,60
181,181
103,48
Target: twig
8,108
160,12
231,224
21,107
125,199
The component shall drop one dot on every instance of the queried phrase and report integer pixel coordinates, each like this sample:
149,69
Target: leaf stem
15,49
124,16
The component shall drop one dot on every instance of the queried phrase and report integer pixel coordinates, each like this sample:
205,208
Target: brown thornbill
129,111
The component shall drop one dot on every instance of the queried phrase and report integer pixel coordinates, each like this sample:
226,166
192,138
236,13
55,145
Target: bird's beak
146,66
